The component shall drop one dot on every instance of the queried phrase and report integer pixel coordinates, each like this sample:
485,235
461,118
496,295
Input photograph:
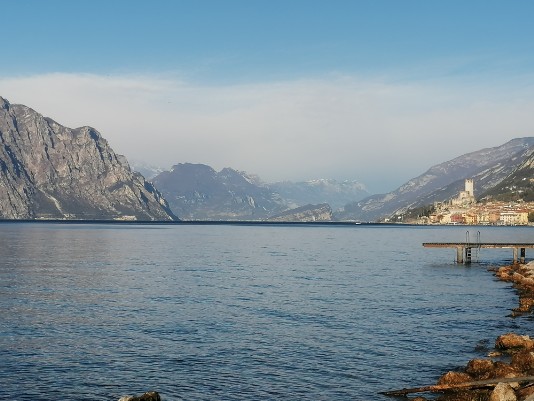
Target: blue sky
229,41
376,91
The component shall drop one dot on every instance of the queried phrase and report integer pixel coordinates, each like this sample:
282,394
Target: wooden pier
464,249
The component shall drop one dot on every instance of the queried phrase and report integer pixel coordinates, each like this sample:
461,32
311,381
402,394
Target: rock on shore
522,277
516,349
513,356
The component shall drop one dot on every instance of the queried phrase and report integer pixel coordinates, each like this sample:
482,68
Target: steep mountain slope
336,193
198,192
518,185
488,167
50,171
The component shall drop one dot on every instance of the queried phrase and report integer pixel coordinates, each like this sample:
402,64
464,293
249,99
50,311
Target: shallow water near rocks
93,312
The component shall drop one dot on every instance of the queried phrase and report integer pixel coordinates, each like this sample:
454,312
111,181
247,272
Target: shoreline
492,378
245,223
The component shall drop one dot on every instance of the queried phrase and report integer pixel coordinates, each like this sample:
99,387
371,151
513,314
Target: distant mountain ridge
488,167
48,171
336,193
146,170
204,194
198,192
54,172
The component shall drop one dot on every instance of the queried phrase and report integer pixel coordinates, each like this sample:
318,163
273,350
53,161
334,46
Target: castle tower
469,187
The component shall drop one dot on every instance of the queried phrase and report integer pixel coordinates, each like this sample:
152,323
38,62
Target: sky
374,91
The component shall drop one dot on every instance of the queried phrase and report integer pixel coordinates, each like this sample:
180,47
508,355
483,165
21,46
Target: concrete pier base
463,254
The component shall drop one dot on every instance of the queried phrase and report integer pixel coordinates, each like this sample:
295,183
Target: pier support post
523,255
460,254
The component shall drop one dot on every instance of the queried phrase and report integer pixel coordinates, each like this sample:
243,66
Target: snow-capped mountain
336,193
147,170
198,192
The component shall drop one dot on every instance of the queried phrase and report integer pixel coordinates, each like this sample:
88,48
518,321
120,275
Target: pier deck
464,249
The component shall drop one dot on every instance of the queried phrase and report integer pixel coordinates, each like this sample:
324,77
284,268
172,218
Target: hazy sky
377,91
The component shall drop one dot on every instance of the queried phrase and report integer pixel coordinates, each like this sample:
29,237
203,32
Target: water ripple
238,313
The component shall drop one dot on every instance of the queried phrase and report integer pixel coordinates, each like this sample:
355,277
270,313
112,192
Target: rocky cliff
53,172
488,167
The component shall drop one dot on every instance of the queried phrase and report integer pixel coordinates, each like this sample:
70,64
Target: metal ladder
469,247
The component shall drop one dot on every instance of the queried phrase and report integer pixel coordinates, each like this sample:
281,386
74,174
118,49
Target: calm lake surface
215,312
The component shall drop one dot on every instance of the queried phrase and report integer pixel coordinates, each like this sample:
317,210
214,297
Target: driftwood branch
460,386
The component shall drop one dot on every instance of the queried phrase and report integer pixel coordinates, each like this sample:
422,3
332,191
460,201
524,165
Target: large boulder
480,369
502,369
524,362
503,392
451,378
512,341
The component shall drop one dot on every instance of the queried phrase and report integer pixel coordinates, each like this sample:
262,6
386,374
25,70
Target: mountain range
49,171
198,192
487,167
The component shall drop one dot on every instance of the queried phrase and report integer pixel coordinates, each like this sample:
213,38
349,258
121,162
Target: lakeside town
464,209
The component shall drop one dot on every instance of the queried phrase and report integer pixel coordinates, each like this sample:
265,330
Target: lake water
215,312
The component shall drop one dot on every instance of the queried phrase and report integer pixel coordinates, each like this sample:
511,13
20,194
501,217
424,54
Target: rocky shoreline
507,374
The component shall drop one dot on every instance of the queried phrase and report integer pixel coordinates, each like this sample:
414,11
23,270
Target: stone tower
469,187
